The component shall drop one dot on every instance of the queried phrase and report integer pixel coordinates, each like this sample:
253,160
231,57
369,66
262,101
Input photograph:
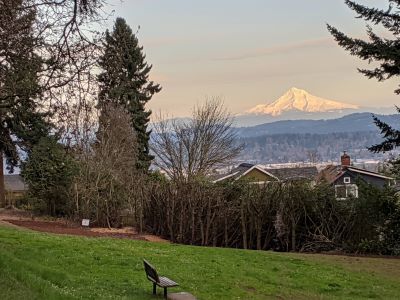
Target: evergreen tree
48,172
383,51
125,81
21,125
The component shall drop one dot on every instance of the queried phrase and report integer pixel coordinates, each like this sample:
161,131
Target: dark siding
375,181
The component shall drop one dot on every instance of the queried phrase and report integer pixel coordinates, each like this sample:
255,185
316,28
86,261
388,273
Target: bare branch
185,150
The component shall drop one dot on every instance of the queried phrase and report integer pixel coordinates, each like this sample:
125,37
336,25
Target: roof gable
242,171
260,170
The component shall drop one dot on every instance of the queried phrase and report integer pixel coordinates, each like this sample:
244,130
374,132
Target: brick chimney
345,159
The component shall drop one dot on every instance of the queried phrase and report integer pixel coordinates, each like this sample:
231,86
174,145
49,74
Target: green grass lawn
44,266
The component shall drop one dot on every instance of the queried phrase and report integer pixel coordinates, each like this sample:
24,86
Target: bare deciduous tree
108,179
312,156
69,41
185,150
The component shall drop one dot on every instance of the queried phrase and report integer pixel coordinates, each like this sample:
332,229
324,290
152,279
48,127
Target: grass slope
44,266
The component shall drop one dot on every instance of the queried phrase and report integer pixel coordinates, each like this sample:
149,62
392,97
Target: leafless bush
284,216
236,215
108,184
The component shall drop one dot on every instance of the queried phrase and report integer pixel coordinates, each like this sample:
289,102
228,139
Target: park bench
161,281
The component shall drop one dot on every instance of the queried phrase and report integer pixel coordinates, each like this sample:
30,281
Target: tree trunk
201,230
208,223
226,231
180,235
244,230
2,187
293,237
258,234
193,227
76,199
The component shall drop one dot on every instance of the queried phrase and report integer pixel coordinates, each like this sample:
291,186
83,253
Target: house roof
14,183
279,174
366,172
241,171
332,173
309,173
234,174
262,170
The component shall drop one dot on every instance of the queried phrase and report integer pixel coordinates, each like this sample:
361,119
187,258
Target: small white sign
85,222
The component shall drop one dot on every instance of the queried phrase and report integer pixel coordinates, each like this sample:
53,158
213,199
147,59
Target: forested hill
320,140
308,147
357,122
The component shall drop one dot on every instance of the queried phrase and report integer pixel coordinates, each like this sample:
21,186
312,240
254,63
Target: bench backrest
150,271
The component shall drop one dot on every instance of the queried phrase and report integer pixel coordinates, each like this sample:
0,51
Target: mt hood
300,101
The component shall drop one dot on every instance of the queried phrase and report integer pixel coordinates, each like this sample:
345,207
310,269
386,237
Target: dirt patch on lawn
63,228
18,218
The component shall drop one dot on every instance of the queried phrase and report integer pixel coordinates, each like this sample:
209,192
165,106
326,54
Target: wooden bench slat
166,282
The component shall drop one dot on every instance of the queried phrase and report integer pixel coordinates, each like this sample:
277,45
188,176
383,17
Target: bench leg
154,289
165,293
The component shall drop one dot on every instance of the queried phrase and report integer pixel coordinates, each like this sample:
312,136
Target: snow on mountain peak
300,100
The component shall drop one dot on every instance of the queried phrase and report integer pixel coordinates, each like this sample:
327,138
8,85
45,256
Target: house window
346,191
340,192
352,190
346,180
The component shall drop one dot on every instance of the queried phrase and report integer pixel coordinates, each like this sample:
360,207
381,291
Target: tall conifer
381,50
21,123
125,81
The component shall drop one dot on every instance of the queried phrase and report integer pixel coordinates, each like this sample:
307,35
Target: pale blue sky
249,52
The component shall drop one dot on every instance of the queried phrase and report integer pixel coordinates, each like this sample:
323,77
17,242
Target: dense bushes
235,214
49,172
377,222
101,183
282,216
287,216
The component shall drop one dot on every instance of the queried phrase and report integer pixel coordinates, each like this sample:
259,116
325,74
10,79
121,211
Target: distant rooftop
14,183
292,173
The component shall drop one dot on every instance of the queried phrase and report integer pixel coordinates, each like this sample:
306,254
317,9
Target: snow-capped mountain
299,100
297,104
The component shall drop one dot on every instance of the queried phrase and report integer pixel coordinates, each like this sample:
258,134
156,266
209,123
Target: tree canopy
21,122
125,81
381,50
384,51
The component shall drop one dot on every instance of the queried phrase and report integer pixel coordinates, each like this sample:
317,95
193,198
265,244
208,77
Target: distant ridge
300,100
356,122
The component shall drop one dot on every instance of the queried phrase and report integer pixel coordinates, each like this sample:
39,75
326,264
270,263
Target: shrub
282,216
48,172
